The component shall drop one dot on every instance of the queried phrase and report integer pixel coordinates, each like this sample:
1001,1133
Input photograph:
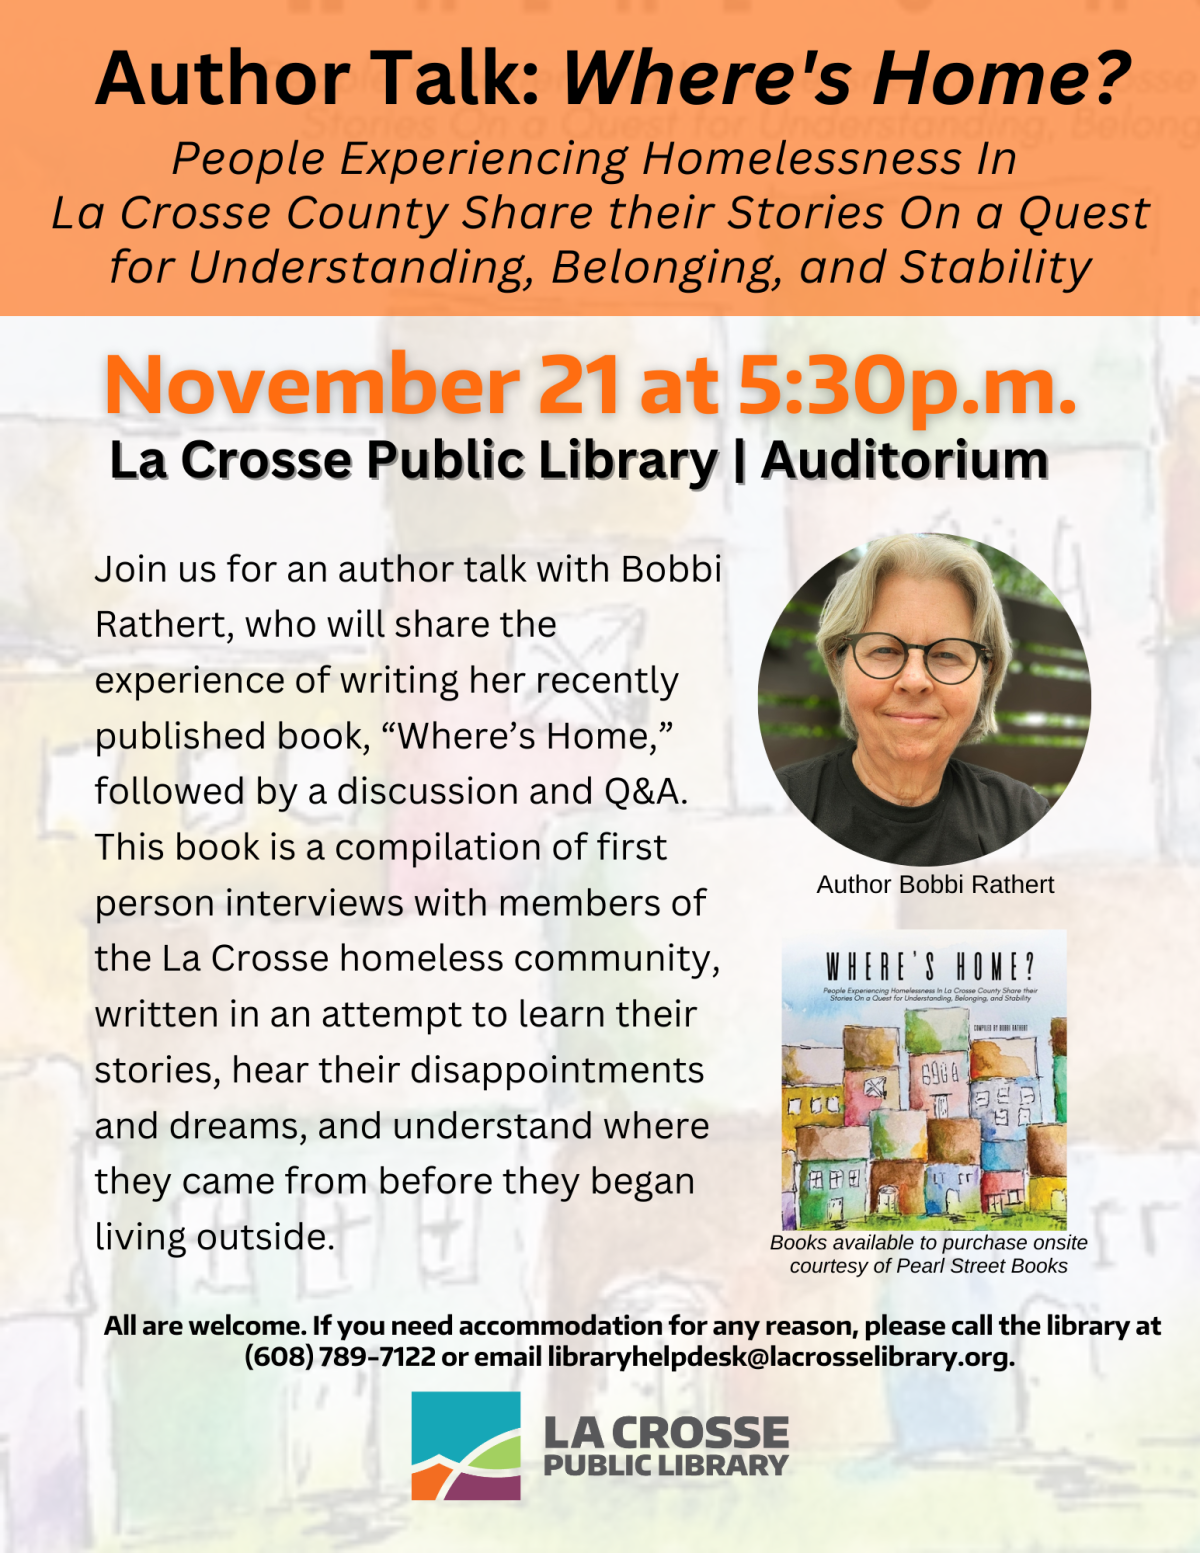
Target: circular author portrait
917,638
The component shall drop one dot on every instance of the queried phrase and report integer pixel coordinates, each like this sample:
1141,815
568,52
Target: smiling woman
915,642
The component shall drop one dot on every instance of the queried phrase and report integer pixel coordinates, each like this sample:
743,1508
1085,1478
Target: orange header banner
355,157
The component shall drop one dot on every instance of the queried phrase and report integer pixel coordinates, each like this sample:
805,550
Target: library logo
466,1445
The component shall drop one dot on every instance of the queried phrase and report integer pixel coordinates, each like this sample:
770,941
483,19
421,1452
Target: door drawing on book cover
970,1126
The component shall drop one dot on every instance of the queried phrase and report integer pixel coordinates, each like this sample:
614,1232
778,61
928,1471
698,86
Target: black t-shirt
975,812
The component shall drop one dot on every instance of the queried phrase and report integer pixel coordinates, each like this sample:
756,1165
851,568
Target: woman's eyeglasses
950,660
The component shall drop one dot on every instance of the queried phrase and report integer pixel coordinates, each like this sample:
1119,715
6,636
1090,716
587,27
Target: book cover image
924,1080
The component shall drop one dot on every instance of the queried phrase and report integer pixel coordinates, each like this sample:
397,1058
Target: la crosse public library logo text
684,1447
466,1445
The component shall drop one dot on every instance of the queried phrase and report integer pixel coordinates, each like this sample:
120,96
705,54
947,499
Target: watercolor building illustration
965,1137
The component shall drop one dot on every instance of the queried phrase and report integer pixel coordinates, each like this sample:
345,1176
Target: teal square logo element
466,1445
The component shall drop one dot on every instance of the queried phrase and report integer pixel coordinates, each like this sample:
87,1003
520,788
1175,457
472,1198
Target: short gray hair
924,557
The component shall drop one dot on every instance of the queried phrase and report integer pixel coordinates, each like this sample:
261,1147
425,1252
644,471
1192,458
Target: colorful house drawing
952,1175
937,1041
1047,1194
1005,1162
967,1139
872,1071
898,1186
1000,1155
1002,1190
1047,1149
899,1149
817,1066
899,1135
1047,1146
832,1170
870,1046
1005,1096
934,1030
812,1089
1058,1049
811,1105
789,1189
939,1085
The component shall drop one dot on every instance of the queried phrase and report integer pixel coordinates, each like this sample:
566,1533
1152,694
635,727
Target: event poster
576,583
